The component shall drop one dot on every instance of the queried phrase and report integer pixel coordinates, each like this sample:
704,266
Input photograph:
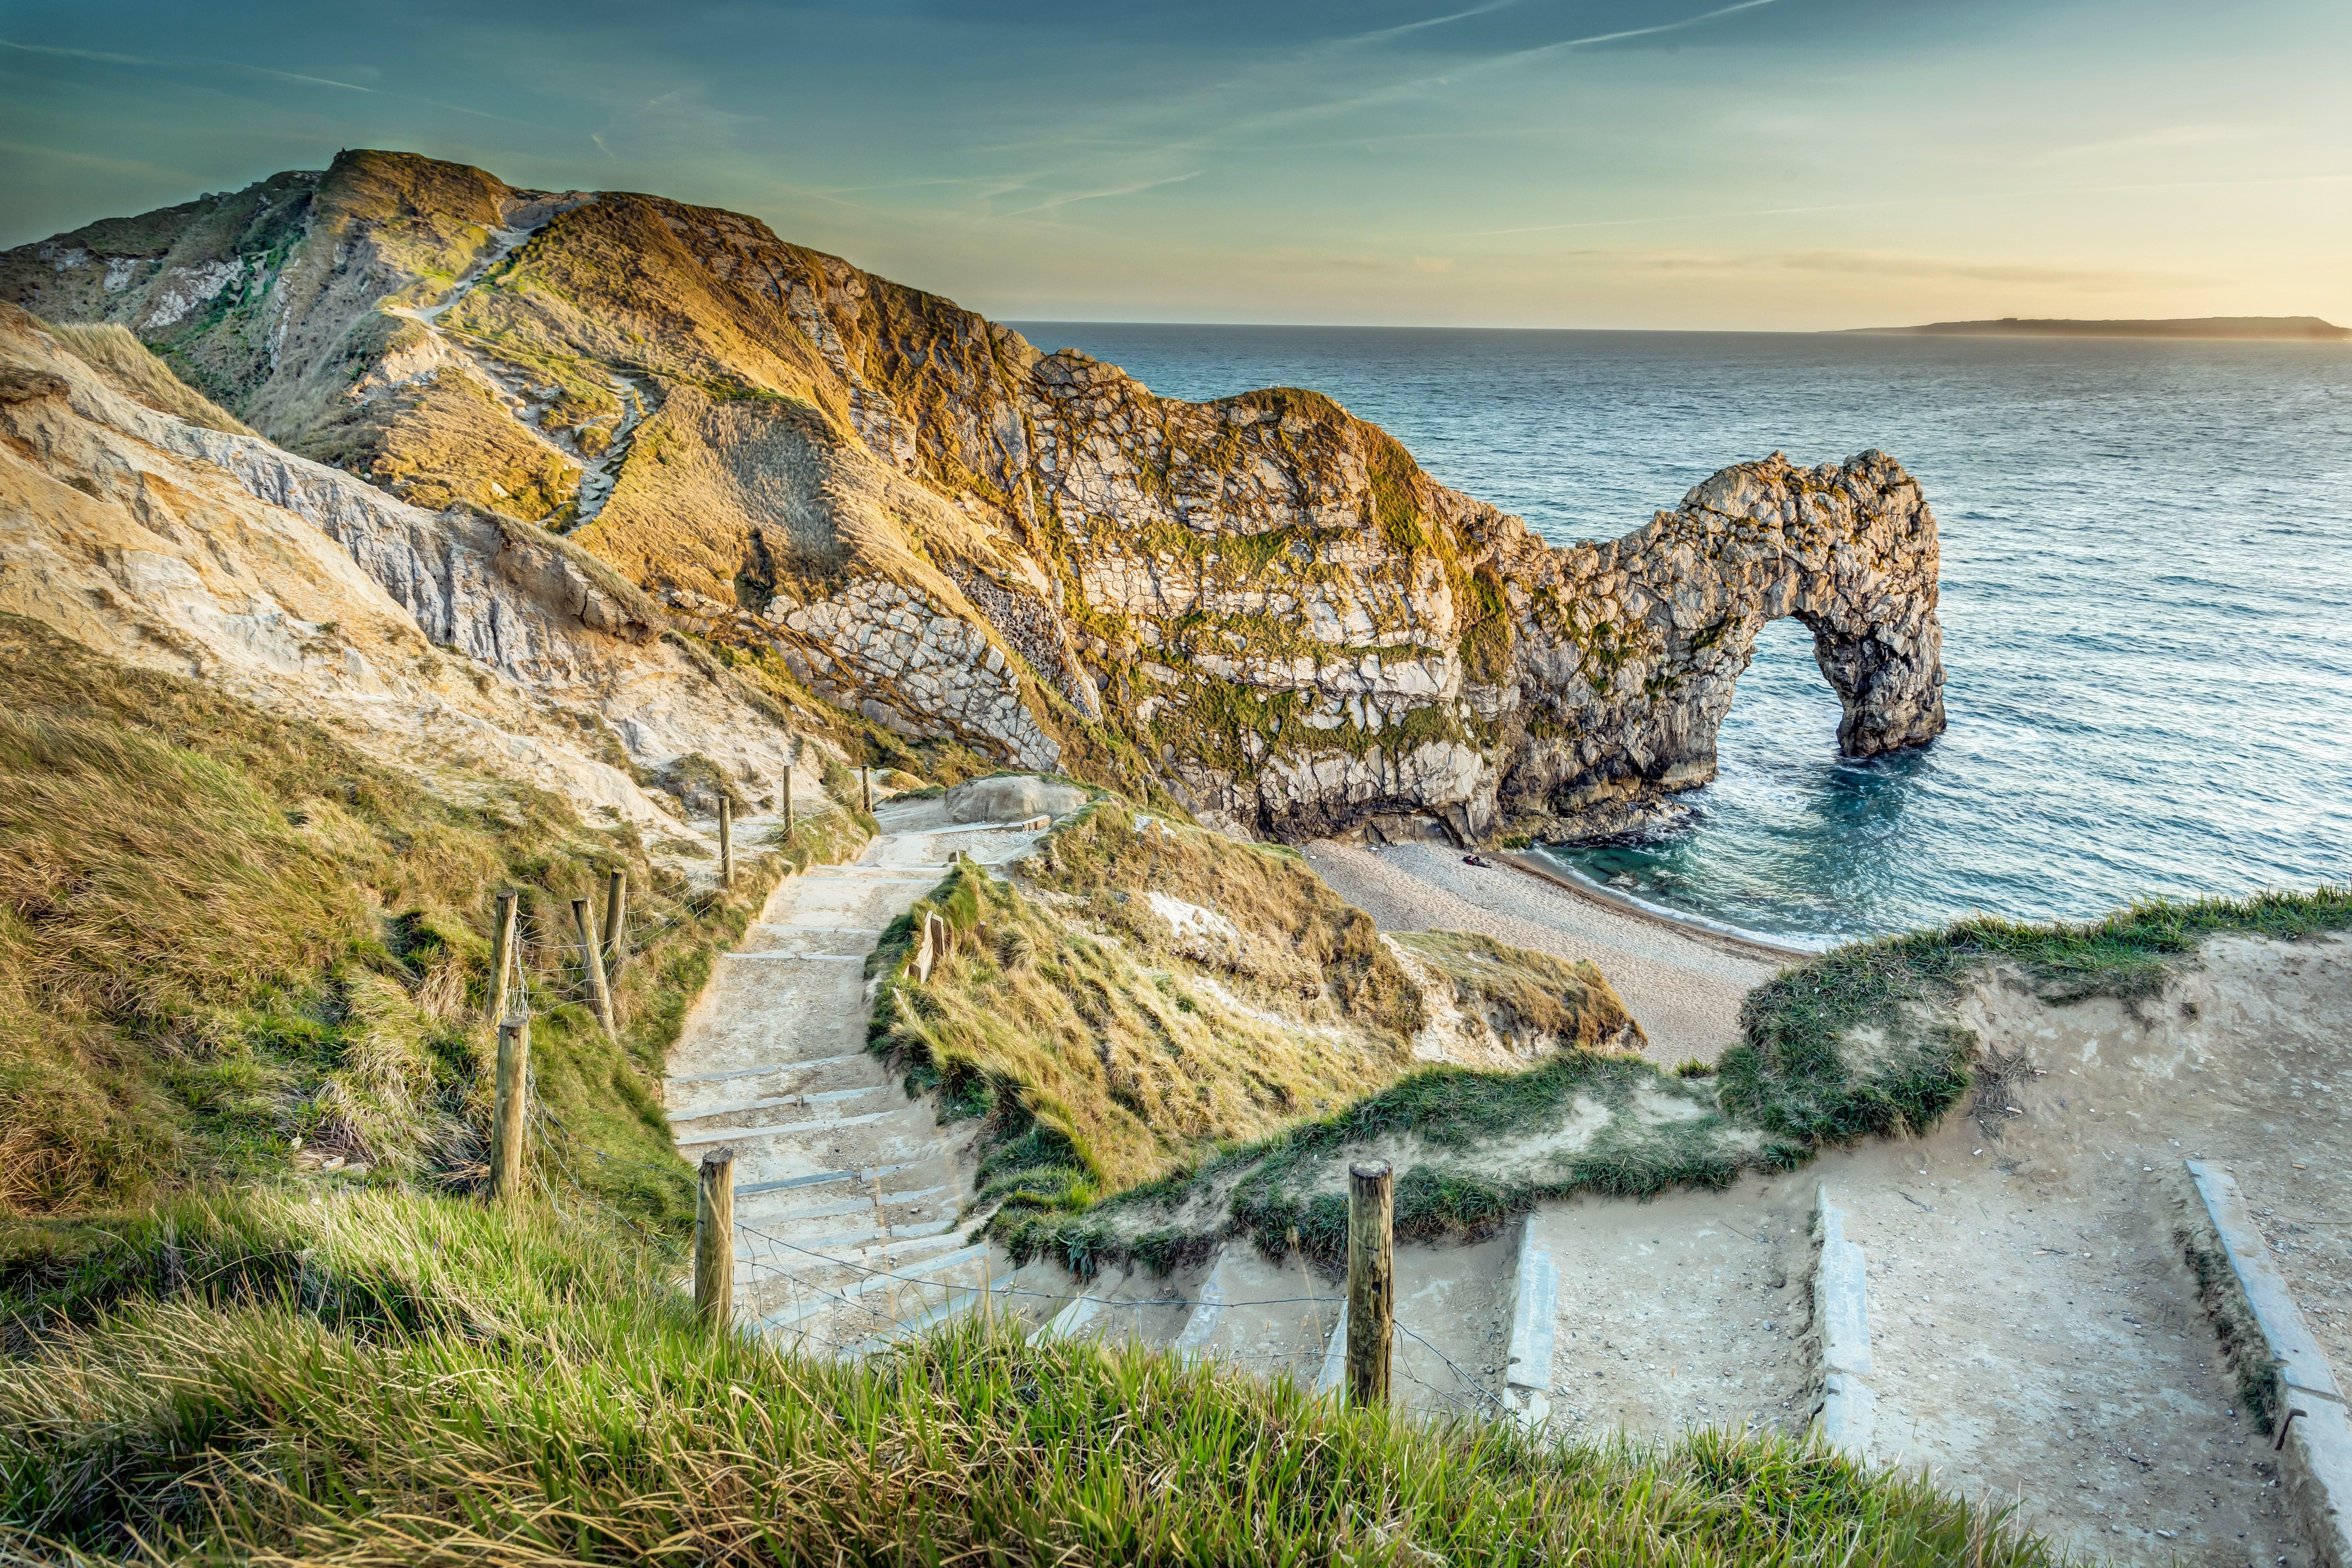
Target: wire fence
550,961
873,1308
827,1295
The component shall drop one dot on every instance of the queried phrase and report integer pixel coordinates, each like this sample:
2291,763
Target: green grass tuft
222,931
1850,1045
386,1379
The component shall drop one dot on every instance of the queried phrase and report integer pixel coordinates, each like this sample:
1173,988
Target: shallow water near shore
2146,593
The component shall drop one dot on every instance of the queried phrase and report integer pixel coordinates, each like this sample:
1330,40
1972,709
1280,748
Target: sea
2146,593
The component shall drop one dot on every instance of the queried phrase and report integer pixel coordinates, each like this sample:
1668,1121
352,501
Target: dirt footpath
2039,1338
1689,1311
2035,1333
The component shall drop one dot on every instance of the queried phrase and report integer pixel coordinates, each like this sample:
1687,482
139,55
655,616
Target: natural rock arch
1261,603
1627,651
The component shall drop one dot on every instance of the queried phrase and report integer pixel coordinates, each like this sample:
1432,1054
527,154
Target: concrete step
852,1201
817,1101
928,873
808,1276
935,1275
782,933
764,1068
760,1164
792,955
915,1117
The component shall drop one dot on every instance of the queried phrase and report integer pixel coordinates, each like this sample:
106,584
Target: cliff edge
867,497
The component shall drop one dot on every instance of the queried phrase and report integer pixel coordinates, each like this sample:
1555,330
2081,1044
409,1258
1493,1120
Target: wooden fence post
865,788
616,919
714,1239
502,957
507,1119
726,841
600,993
785,795
1371,1288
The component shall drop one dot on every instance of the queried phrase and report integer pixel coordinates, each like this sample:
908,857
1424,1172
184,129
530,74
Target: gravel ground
1683,990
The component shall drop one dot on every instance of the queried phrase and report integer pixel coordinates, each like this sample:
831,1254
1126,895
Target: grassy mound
386,1378
1472,1147
1151,992
1100,1061
1857,1044
222,931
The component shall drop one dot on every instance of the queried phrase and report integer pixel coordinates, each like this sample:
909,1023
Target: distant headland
2303,328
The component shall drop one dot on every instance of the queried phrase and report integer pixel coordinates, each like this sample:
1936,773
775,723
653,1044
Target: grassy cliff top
382,1378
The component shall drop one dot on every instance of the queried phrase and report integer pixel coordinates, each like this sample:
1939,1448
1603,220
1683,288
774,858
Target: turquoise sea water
2147,593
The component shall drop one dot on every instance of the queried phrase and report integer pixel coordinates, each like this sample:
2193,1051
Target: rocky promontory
873,501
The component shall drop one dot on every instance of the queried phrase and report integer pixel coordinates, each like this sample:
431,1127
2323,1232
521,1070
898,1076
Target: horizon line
1916,327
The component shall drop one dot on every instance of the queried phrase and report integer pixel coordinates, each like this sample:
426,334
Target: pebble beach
1683,986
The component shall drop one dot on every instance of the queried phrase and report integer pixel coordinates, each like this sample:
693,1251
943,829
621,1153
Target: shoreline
1685,985
1747,944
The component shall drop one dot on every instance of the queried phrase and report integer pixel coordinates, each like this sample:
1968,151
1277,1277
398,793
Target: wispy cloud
1453,76
105,57
1404,29
198,62
1620,35
2162,139
1926,199
102,56
1058,202
1224,116
133,168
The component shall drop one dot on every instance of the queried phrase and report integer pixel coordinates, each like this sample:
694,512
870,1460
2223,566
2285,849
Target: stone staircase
849,1196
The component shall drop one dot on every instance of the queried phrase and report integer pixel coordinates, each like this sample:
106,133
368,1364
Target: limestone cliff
456,644
873,499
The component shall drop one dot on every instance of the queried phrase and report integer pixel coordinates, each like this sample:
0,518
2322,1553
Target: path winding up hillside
839,1174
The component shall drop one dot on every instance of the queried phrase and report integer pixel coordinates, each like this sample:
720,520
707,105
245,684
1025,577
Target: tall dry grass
126,363
1111,1050
222,931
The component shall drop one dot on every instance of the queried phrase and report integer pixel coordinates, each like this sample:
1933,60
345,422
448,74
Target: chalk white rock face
1012,797
910,665
185,288
1202,935
431,640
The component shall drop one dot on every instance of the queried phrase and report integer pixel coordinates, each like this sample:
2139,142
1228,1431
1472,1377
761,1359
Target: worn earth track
510,384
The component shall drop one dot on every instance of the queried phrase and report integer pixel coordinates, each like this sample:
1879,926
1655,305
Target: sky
1758,164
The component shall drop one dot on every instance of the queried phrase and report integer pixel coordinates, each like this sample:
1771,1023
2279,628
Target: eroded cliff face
458,646
1625,653
881,501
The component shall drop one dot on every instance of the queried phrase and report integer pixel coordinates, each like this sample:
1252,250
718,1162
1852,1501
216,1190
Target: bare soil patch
1691,1311
2035,1333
